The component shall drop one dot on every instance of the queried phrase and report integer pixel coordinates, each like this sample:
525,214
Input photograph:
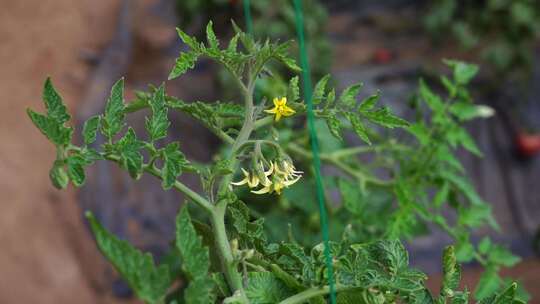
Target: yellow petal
276,102
240,183
262,190
287,111
290,182
253,182
271,111
269,171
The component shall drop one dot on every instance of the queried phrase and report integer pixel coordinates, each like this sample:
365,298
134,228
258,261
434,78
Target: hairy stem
194,196
338,163
228,263
224,248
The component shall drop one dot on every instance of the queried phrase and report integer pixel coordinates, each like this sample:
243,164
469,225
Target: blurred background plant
270,19
504,30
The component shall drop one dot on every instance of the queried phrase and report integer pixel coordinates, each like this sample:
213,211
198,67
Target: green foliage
347,107
158,124
173,163
90,129
52,125
243,256
196,261
149,282
503,30
113,118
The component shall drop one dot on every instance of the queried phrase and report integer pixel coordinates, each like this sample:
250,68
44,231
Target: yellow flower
281,108
274,179
250,179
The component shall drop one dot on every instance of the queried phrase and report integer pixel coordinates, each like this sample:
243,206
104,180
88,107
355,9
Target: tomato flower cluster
275,178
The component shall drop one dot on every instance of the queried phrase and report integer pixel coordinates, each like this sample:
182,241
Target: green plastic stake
306,77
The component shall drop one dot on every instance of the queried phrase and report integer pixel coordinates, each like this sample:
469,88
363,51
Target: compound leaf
113,119
90,129
158,124
150,283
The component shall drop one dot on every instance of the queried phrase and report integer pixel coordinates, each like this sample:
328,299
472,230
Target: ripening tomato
382,55
528,144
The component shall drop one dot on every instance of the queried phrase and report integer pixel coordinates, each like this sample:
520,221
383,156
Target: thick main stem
218,213
224,248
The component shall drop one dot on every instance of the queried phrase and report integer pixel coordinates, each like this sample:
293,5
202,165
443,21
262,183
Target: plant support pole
306,77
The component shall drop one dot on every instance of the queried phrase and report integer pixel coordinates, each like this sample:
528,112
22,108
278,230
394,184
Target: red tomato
528,144
382,56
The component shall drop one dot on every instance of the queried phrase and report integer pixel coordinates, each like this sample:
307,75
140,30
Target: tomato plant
226,254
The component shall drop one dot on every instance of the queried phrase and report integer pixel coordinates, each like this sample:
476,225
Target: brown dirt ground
43,238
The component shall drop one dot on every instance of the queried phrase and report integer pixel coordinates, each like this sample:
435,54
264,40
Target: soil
42,235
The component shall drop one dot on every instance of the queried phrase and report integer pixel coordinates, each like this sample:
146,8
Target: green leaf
200,291
358,126
474,216
385,118
150,283
463,72
449,85
293,92
420,131
433,101
319,90
485,245
75,169
158,124
265,288
348,96
58,175
233,44
184,62
283,56
354,297
173,163
451,272
54,104
468,143
502,256
128,147
508,296
90,129
464,250
334,125
190,41
369,102
49,127
442,195
211,36
195,256
488,284
113,119
463,184
353,199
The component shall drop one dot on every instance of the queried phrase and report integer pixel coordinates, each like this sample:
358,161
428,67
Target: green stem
263,122
307,294
333,160
365,149
217,218
224,248
194,196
